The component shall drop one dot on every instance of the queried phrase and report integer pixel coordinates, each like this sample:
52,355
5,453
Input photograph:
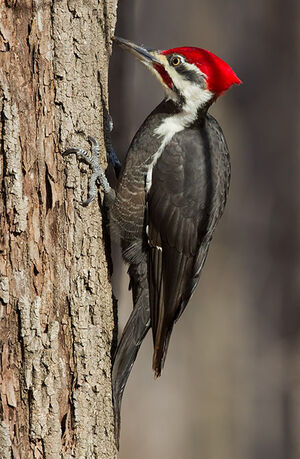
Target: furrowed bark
56,311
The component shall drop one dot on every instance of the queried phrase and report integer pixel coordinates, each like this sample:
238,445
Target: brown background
230,388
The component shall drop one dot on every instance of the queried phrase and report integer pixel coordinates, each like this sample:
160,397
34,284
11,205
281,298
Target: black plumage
165,232
189,187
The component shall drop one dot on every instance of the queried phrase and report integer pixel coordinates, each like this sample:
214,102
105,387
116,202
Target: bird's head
188,74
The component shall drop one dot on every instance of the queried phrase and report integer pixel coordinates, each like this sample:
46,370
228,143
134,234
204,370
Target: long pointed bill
144,55
151,58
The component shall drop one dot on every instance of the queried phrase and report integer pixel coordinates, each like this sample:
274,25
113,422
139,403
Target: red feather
220,75
164,74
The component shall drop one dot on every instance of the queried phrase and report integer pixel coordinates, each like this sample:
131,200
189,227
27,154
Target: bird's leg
111,154
92,159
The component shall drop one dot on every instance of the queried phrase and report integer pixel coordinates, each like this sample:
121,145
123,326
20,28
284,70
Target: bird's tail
160,352
134,332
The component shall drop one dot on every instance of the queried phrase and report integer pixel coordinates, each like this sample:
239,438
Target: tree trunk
55,294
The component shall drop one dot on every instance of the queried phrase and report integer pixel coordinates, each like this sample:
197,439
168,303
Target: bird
171,192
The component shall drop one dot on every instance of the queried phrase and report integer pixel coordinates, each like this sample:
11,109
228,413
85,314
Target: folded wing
179,214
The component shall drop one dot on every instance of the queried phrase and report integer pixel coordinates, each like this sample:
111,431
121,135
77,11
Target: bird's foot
92,159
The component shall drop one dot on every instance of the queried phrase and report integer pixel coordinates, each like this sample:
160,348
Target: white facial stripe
194,95
194,68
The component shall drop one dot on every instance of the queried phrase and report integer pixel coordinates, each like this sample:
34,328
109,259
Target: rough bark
56,313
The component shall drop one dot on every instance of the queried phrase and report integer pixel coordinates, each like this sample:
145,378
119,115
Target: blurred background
231,384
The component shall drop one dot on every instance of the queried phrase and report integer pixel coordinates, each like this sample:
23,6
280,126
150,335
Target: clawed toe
92,159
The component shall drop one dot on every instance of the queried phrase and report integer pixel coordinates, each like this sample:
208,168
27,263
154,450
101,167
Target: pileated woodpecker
170,195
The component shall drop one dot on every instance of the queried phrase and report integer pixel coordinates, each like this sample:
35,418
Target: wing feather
156,286
189,187
176,202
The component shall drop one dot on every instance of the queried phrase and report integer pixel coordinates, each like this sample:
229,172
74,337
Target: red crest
220,75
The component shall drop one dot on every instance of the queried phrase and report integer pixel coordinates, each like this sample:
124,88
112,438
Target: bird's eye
175,61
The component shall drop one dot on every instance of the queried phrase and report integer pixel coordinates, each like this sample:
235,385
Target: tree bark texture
56,327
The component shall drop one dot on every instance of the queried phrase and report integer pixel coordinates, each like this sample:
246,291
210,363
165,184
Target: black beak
144,55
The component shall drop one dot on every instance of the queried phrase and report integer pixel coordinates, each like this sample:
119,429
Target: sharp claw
87,201
70,151
97,172
93,142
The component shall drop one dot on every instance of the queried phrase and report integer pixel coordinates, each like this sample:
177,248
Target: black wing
181,207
